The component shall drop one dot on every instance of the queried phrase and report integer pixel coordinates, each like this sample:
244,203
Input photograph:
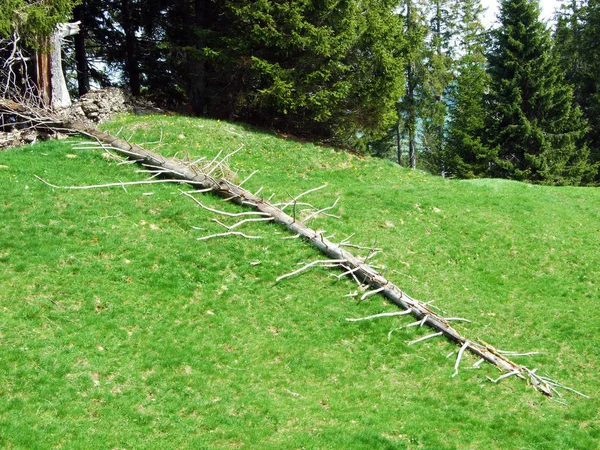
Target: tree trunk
399,143
181,170
131,58
410,94
363,271
197,87
43,76
83,73
412,118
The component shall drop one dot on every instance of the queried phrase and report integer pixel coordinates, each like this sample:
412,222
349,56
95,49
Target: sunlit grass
120,330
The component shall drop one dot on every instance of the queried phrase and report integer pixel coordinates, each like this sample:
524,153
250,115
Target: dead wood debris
364,274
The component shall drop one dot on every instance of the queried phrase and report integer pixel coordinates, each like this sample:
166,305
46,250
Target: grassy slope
120,330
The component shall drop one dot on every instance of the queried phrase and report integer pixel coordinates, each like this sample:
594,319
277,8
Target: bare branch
316,213
557,384
360,247
229,233
225,213
295,199
119,184
424,338
241,222
375,316
478,363
518,354
348,272
459,357
309,265
502,377
370,293
247,178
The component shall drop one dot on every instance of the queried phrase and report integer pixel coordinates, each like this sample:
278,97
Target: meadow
119,329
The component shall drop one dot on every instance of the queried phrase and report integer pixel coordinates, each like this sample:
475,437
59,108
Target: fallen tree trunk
359,268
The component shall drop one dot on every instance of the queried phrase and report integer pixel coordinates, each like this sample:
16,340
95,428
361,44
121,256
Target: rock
101,105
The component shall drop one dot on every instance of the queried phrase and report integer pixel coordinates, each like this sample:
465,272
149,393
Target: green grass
118,329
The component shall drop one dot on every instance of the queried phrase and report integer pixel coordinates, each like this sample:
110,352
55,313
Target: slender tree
438,74
465,155
81,59
532,126
416,32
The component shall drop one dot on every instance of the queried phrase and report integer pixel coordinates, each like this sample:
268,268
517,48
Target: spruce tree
408,107
438,74
576,45
33,20
533,129
465,155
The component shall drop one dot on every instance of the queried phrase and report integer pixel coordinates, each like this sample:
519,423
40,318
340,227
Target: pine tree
438,74
328,69
576,45
465,155
532,126
33,20
408,107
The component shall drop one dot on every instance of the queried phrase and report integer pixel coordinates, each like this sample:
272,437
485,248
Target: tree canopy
422,82
33,20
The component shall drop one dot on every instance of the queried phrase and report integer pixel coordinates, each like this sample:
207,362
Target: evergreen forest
421,82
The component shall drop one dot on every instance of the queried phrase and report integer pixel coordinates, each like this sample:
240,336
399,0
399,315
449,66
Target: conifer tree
33,20
408,107
534,129
438,74
465,155
576,45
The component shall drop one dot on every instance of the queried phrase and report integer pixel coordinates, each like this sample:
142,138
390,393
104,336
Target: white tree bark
60,94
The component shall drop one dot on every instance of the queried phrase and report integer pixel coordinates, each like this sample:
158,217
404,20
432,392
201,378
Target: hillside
120,330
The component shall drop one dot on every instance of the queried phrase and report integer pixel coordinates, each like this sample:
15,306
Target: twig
370,293
518,354
247,178
229,233
302,195
316,213
557,384
225,213
424,338
120,184
309,265
459,357
375,316
478,363
348,272
241,222
506,375
360,247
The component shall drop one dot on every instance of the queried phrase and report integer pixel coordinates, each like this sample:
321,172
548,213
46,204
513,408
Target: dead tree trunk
177,169
420,310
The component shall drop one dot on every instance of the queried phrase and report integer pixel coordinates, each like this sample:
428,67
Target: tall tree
437,77
576,44
533,128
465,155
331,69
81,60
416,31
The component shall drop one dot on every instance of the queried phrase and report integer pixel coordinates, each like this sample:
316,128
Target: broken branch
309,265
376,316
